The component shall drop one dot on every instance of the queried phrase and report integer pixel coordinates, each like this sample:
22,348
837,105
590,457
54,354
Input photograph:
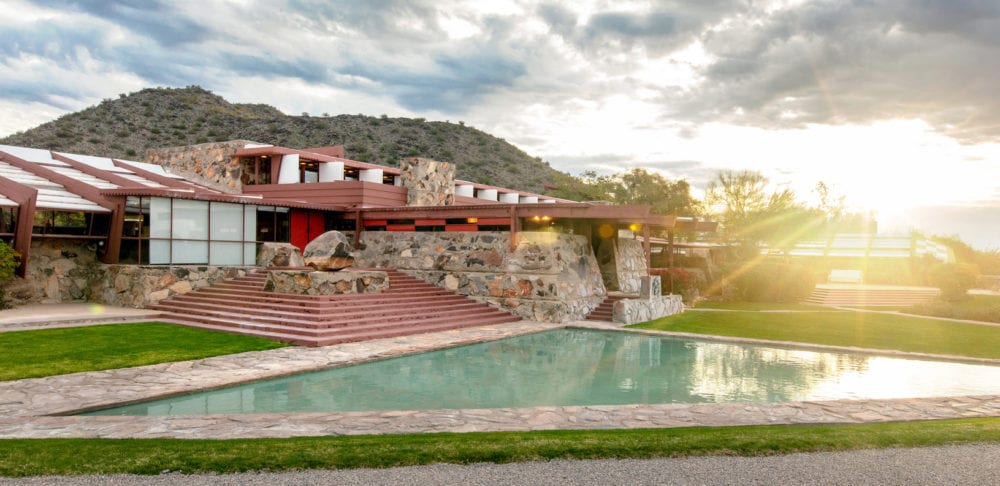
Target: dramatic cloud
910,86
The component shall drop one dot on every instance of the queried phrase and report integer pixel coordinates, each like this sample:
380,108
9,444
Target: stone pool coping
35,408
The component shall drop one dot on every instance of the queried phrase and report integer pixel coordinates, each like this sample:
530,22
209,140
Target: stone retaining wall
142,285
549,277
634,311
59,270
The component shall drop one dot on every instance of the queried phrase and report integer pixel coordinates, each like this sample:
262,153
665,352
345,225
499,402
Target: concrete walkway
40,316
34,408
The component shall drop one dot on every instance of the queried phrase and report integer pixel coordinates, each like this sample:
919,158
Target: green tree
637,186
751,215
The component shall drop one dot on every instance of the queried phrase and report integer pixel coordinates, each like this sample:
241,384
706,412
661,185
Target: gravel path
965,464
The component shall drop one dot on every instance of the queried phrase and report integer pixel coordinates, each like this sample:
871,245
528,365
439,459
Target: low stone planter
326,283
634,311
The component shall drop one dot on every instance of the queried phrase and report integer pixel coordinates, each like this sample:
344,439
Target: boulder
329,251
279,255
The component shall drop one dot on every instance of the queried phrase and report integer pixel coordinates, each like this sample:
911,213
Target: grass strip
859,329
33,457
975,308
48,352
759,306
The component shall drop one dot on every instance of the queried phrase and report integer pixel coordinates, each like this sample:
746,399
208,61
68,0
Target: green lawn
32,354
759,306
860,329
976,308
31,457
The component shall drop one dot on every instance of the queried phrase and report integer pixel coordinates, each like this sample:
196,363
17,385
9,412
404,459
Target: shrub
773,282
954,279
9,260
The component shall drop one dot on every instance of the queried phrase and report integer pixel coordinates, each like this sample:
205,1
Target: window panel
193,252
190,219
159,252
226,253
227,221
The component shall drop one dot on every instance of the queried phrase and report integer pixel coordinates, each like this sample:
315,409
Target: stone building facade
548,277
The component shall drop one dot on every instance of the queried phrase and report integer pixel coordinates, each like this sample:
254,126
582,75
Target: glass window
227,221
225,253
159,252
194,252
190,220
159,217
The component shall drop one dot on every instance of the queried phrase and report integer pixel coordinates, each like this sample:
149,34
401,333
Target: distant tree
751,215
636,186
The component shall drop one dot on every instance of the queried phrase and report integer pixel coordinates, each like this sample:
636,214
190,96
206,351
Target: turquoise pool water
586,367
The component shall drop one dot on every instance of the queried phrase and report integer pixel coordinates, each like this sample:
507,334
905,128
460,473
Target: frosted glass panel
250,224
227,253
159,217
190,220
249,253
190,252
227,222
159,252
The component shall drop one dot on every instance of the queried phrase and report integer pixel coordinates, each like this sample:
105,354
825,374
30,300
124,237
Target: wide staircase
870,295
605,310
410,306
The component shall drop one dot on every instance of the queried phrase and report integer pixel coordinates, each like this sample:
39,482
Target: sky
893,104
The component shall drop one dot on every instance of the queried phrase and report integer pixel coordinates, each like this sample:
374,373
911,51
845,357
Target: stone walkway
34,408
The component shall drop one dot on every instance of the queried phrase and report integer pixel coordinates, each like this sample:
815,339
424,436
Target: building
215,204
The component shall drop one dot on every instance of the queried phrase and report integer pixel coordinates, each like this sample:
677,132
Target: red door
306,226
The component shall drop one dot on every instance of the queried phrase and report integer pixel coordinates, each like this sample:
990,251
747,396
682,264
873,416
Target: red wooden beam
25,197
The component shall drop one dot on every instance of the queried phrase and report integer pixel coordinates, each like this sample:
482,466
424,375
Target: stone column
428,182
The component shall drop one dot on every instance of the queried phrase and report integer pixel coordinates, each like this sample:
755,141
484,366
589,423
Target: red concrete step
409,306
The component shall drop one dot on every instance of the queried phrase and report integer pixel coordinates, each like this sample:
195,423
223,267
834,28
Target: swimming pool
588,367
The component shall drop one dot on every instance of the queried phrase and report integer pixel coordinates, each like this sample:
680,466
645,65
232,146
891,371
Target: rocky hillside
163,117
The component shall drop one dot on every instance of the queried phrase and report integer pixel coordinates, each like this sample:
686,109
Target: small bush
954,280
773,282
9,260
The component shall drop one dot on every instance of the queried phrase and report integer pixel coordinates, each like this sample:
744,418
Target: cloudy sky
892,103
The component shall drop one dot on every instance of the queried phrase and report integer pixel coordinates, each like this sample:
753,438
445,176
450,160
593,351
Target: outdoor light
472,220
634,227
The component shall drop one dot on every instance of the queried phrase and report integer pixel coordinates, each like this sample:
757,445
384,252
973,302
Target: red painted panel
429,222
400,227
375,222
317,225
494,220
462,227
300,228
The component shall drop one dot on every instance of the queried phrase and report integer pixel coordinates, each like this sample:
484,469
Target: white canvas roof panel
50,195
103,163
84,177
156,169
31,154
141,180
7,203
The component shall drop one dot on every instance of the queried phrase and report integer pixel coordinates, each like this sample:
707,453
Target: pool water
587,367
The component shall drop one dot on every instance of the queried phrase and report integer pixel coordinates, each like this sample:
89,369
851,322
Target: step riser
409,306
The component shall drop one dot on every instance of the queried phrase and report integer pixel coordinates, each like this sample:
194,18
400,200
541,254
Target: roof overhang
219,197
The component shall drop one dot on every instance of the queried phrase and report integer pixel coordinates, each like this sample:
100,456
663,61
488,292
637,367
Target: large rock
329,251
326,283
280,255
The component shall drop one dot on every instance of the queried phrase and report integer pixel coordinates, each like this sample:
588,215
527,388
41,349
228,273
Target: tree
636,186
751,215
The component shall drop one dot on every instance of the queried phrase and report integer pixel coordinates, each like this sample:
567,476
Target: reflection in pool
586,367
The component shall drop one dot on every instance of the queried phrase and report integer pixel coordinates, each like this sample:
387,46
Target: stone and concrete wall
67,270
142,285
347,281
623,264
428,182
548,277
210,164
59,270
634,311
